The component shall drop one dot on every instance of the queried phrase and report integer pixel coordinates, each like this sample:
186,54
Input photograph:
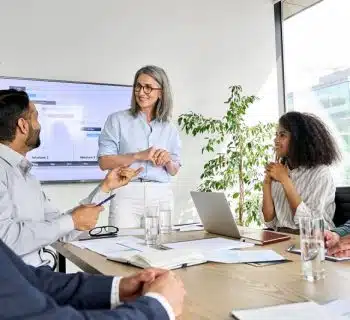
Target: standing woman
301,183
142,136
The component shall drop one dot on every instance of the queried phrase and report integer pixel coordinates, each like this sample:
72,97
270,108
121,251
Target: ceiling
292,7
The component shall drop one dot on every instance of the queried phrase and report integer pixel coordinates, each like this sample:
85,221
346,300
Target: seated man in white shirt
28,222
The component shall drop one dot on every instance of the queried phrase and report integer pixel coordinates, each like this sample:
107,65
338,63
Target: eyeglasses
104,231
146,89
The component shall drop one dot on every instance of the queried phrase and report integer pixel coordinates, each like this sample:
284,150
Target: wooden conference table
213,289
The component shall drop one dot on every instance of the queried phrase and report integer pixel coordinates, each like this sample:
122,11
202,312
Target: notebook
263,237
166,259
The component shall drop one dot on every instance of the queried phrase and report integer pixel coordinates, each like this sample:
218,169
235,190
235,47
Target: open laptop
216,216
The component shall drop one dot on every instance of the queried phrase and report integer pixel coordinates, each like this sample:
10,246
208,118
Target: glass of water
165,216
312,248
152,227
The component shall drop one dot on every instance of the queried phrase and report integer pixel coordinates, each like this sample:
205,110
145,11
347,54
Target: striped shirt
317,191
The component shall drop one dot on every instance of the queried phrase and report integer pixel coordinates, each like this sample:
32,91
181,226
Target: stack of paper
339,308
207,245
294,311
128,249
240,256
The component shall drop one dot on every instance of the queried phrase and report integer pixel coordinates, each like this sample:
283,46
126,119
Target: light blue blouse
123,133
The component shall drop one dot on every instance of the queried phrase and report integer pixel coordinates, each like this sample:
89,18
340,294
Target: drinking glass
165,216
152,226
312,248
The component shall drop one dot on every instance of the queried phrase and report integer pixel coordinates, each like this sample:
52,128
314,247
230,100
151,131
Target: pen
105,200
186,224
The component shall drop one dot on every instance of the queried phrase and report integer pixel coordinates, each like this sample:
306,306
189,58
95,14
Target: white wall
205,46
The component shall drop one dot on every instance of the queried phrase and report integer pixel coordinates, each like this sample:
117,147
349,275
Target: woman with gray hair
142,136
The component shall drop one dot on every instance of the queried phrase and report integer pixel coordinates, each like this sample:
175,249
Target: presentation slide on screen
72,116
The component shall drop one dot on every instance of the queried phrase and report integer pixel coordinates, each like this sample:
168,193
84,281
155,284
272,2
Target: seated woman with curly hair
300,183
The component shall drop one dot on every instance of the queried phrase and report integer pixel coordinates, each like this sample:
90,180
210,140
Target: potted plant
239,168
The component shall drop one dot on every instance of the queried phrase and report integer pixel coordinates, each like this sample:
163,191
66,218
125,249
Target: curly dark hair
311,143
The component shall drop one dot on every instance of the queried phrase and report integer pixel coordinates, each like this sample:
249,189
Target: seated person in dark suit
27,292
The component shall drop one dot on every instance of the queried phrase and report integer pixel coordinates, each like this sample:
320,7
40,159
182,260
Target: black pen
105,200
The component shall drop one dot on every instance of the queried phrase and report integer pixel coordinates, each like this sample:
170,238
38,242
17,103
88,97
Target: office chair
342,206
48,258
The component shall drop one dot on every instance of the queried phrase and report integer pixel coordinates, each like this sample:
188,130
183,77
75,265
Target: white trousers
128,206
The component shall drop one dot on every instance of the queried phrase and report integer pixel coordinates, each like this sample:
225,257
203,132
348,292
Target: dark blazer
27,292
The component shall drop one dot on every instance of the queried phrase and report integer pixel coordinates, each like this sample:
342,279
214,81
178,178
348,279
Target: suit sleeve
29,293
80,290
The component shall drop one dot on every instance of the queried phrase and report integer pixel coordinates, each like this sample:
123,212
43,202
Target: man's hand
131,287
161,157
331,239
277,171
171,288
119,177
146,155
341,249
85,216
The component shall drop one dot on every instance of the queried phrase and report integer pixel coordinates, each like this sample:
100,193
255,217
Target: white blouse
317,190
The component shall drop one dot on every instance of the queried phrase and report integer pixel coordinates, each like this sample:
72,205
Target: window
317,70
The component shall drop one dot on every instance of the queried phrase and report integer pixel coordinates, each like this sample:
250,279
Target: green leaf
246,150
